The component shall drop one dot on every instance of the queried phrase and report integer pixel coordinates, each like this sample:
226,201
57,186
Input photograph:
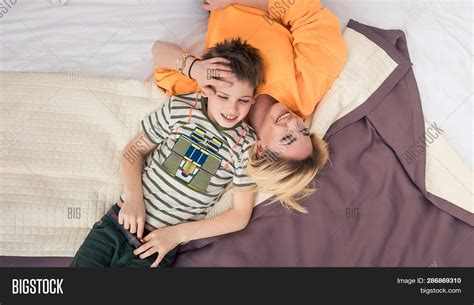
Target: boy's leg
106,246
101,246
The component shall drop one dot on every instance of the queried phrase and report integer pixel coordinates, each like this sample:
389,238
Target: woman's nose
293,123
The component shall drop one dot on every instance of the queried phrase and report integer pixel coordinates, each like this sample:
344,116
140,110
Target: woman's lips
283,115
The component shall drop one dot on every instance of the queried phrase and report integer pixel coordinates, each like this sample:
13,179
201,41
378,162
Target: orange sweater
301,44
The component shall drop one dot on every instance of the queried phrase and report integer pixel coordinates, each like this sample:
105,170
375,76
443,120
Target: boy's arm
132,212
165,239
233,220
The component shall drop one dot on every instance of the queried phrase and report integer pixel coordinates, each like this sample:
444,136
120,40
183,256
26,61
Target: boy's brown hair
246,61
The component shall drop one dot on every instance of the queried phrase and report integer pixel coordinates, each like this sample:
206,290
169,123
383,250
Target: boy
177,168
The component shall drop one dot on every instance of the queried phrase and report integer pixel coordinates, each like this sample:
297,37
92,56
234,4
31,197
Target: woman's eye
244,101
223,97
285,139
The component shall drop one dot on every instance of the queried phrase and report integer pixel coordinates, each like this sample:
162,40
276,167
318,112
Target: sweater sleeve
320,51
174,83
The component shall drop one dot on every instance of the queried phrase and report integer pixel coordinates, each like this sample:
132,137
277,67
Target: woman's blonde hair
288,180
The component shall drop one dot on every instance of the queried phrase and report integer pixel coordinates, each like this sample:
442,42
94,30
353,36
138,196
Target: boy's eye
245,101
223,97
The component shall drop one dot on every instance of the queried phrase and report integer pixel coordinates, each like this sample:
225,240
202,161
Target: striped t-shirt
193,162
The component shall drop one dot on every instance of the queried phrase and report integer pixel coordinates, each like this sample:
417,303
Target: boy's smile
229,118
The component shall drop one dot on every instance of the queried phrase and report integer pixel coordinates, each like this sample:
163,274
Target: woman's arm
165,55
319,48
165,239
212,5
132,212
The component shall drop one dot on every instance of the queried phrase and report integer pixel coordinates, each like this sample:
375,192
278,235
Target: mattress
114,38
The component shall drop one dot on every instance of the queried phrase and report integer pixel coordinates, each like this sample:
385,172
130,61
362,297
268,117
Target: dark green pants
105,246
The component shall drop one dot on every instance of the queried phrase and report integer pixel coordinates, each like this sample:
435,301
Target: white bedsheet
113,38
96,38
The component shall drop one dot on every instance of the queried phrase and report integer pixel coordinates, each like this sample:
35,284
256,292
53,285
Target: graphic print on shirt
194,159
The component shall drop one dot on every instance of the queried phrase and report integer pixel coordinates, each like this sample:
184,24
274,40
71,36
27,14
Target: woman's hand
213,5
160,240
132,216
206,72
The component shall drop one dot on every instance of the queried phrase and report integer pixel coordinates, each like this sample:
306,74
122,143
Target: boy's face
230,105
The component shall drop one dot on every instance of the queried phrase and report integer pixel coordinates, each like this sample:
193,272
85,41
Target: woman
304,52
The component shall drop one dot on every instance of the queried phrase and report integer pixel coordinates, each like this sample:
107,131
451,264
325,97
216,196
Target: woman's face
279,130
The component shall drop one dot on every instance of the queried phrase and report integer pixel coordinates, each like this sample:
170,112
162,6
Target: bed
53,45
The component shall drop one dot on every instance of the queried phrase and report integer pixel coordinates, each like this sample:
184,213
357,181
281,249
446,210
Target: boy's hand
132,216
213,5
210,73
160,240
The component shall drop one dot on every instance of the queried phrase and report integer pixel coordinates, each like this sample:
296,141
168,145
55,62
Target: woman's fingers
219,61
220,67
220,83
221,74
222,64
211,5
205,5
